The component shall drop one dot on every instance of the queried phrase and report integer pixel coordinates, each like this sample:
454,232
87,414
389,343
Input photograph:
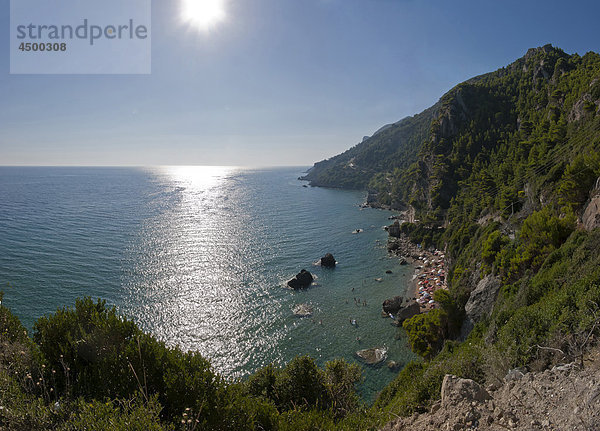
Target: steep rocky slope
565,397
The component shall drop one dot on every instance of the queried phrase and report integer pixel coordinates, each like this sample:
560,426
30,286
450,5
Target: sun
203,14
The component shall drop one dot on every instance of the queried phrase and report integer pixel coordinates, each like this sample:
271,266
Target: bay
200,256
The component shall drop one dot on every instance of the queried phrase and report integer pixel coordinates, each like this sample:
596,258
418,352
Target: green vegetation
87,368
426,332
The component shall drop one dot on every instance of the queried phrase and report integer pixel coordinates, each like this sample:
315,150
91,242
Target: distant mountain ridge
393,146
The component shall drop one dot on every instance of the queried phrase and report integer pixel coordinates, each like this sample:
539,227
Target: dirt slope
566,397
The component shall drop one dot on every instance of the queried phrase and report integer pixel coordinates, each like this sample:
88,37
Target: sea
199,256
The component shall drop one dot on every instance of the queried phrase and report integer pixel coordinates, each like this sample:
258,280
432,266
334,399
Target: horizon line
153,166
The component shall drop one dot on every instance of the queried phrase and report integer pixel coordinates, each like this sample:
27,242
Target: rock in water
303,310
394,229
411,310
302,280
392,305
328,261
372,356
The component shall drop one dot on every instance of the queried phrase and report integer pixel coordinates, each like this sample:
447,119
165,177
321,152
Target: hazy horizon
154,166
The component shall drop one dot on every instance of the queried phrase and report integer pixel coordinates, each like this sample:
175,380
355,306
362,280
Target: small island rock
303,310
392,305
328,261
373,356
393,365
302,280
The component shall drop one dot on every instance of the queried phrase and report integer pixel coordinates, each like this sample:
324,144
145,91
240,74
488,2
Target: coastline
429,270
429,265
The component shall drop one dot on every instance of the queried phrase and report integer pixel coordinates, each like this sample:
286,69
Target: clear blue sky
279,82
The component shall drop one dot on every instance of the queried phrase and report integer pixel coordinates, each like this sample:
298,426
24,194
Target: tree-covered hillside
499,133
509,137
507,183
392,148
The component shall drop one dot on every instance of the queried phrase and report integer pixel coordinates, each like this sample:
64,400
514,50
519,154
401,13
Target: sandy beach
429,274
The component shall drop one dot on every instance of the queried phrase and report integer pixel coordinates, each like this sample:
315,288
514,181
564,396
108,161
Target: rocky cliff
591,214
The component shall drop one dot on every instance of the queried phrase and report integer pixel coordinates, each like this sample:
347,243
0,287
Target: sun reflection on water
198,177
209,266
194,267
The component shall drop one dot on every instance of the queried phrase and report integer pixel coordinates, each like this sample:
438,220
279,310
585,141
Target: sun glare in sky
203,14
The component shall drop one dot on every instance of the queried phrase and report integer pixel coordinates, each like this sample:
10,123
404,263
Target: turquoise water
199,256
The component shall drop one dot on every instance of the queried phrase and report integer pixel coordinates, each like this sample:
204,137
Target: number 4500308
27,46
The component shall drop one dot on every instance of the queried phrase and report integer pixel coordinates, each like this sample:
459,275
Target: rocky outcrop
454,114
371,198
372,356
591,214
582,108
481,301
565,397
328,261
303,310
455,390
411,310
392,305
402,246
302,280
394,229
